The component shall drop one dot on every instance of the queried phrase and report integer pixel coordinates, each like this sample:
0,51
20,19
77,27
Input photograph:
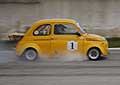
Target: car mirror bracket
78,33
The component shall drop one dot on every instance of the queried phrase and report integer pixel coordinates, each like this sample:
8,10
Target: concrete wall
103,14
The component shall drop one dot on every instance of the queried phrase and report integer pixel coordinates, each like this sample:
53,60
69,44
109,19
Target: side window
42,30
64,29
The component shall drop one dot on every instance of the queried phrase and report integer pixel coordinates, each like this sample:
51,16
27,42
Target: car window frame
38,28
77,30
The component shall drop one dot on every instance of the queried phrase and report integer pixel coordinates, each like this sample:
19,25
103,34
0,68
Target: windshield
81,29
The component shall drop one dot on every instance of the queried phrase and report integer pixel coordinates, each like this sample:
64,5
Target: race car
60,37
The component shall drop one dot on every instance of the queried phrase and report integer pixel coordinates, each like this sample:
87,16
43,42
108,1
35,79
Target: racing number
72,45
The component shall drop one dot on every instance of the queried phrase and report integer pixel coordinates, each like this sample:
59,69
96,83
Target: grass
114,42
6,44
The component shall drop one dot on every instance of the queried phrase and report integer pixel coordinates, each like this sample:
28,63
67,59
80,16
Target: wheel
30,55
94,54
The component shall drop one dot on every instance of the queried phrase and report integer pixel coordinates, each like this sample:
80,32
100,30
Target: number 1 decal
72,45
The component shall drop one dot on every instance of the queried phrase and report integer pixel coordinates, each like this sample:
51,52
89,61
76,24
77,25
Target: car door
65,41
42,37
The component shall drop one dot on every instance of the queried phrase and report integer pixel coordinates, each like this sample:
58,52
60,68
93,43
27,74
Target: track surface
53,72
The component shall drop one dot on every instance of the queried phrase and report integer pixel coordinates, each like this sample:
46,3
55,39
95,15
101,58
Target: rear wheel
30,55
94,54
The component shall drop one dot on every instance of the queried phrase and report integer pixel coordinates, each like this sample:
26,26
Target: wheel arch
93,48
29,46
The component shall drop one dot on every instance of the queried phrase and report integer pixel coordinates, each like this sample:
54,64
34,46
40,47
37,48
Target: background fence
100,16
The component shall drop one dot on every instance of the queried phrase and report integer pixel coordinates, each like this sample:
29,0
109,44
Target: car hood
93,37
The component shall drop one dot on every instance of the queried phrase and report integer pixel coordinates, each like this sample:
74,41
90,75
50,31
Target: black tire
94,54
30,55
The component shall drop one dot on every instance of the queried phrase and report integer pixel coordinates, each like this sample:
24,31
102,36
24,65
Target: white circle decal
72,45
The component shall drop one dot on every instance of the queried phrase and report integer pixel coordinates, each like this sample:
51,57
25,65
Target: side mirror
77,33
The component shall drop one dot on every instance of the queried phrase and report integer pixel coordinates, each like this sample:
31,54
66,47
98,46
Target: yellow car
60,37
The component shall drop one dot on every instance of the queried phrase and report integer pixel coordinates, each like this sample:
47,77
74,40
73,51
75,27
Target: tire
94,54
30,55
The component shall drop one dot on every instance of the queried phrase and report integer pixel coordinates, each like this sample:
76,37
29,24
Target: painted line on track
113,49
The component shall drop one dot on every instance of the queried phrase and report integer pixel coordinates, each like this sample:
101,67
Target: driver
59,29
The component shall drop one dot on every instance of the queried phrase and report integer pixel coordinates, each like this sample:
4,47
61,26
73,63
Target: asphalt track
57,72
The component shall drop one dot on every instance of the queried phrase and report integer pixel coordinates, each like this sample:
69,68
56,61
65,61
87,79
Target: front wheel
30,55
94,54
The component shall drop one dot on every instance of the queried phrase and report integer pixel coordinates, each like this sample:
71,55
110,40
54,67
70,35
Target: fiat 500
60,37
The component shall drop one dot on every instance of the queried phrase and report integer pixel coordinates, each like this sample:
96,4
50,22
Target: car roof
55,20
44,21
